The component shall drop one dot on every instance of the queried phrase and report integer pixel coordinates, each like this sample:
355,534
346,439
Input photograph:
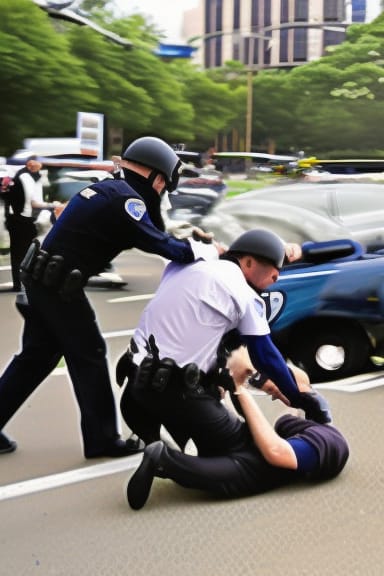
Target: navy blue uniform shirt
108,217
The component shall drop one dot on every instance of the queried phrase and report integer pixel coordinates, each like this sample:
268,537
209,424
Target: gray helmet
262,243
157,154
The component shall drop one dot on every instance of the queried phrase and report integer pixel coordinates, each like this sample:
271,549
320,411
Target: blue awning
174,51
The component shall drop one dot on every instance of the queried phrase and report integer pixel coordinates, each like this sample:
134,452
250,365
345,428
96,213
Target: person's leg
138,417
38,357
21,233
214,430
223,476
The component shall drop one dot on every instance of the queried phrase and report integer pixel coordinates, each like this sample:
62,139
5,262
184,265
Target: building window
300,45
213,23
334,10
236,14
255,14
359,8
332,38
283,45
301,10
284,12
267,13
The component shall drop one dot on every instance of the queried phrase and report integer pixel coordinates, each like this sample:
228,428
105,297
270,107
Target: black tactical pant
54,328
186,413
22,231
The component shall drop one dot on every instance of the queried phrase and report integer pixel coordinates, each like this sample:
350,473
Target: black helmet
157,154
262,243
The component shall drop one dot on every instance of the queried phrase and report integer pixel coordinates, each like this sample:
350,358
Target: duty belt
162,374
51,271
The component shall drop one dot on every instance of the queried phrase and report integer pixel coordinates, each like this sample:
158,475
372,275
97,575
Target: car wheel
329,352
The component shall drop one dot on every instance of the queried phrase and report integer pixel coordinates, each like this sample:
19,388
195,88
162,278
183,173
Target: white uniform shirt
33,192
194,306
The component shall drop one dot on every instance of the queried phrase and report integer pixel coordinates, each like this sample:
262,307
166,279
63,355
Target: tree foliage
51,69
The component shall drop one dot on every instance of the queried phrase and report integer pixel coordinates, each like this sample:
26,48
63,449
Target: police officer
175,385
294,450
97,224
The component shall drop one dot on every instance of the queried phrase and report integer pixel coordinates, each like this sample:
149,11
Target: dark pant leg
196,415
21,233
224,476
140,420
39,356
84,350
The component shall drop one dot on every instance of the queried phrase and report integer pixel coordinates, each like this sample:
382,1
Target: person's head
260,254
155,160
33,165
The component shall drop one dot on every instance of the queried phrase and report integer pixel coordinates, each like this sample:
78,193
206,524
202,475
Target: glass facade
271,34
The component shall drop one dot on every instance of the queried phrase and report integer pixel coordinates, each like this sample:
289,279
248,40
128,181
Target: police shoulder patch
88,193
135,208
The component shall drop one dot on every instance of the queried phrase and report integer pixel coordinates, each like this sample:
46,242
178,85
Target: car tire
329,352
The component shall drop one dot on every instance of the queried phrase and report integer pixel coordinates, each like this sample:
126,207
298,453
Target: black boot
6,445
140,483
118,448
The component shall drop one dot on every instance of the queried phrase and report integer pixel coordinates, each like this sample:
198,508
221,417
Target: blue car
327,311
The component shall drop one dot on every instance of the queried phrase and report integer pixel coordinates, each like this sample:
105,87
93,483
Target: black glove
315,407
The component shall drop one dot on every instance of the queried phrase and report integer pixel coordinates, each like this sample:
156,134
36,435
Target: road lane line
131,298
28,487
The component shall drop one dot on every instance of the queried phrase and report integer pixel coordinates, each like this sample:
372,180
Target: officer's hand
315,407
240,366
220,247
199,235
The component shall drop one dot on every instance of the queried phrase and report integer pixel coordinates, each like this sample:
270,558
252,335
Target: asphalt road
63,515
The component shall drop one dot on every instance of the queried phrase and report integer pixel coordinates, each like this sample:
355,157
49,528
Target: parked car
327,312
198,192
302,211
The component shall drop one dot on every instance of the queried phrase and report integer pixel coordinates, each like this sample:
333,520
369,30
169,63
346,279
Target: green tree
42,84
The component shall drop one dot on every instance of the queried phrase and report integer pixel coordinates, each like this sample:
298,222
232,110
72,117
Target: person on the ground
98,223
294,450
23,201
172,369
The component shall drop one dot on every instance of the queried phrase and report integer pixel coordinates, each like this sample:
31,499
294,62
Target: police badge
135,208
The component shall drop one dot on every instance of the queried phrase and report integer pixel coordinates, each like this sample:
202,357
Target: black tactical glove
315,407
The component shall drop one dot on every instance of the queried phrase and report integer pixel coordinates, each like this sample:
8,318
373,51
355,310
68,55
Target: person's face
34,165
259,273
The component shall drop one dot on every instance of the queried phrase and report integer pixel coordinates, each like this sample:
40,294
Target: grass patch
236,187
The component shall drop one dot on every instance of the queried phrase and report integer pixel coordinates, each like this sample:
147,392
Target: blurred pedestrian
23,201
97,224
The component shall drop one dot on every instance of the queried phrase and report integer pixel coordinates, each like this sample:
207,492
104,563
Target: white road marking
130,298
28,487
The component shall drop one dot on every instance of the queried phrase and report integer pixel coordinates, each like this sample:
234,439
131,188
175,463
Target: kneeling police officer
172,371
98,223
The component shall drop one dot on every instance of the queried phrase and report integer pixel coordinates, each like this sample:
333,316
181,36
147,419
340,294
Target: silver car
306,211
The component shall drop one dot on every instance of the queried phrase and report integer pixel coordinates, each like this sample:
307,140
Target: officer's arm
150,239
267,358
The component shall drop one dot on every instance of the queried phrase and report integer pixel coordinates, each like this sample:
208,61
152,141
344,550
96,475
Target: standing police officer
98,223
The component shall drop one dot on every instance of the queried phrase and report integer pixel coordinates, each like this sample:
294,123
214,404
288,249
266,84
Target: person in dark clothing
22,202
294,450
98,223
